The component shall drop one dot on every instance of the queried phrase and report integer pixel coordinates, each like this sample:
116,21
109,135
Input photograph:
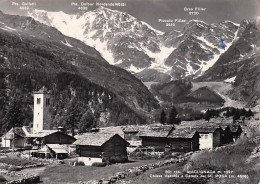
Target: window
206,136
38,100
47,101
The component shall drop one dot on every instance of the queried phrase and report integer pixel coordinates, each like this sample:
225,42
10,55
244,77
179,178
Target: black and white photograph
130,91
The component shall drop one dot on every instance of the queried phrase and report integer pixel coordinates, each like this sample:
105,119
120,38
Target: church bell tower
41,115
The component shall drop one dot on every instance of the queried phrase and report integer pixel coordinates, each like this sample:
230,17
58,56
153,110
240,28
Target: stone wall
135,171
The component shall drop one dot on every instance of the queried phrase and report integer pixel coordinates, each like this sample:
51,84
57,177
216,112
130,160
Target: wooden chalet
183,140
156,136
101,147
167,138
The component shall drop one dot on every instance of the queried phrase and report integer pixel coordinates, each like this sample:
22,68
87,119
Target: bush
98,164
80,163
120,159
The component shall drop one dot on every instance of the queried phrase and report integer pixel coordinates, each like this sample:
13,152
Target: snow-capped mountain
119,37
127,42
199,47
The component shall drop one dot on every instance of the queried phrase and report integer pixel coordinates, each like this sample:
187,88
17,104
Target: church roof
43,90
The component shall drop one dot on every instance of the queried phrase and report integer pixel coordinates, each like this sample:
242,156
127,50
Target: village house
210,137
101,147
165,138
16,138
183,140
155,136
228,132
41,139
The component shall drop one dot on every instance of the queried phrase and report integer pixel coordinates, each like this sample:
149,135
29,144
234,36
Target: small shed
184,140
58,151
101,147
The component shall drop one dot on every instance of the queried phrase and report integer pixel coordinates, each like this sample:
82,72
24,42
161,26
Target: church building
45,141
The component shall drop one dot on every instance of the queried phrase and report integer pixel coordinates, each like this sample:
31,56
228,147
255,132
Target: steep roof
14,131
94,139
156,131
43,133
58,148
209,129
43,90
153,133
182,133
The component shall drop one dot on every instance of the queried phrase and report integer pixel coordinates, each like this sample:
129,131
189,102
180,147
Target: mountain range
129,43
196,53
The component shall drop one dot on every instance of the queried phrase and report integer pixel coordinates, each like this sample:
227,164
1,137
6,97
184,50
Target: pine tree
72,117
172,116
243,112
249,113
13,116
163,117
228,113
87,121
236,115
207,115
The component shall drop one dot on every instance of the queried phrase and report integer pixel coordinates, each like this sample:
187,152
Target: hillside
33,54
240,62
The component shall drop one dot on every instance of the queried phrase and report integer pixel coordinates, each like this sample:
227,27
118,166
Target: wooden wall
217,138
89,151
195,142
58,138
181,145
154,141
115,149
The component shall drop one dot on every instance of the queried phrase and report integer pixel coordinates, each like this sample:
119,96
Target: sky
150,11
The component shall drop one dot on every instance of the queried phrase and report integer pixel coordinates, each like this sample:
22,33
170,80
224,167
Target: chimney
60,128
